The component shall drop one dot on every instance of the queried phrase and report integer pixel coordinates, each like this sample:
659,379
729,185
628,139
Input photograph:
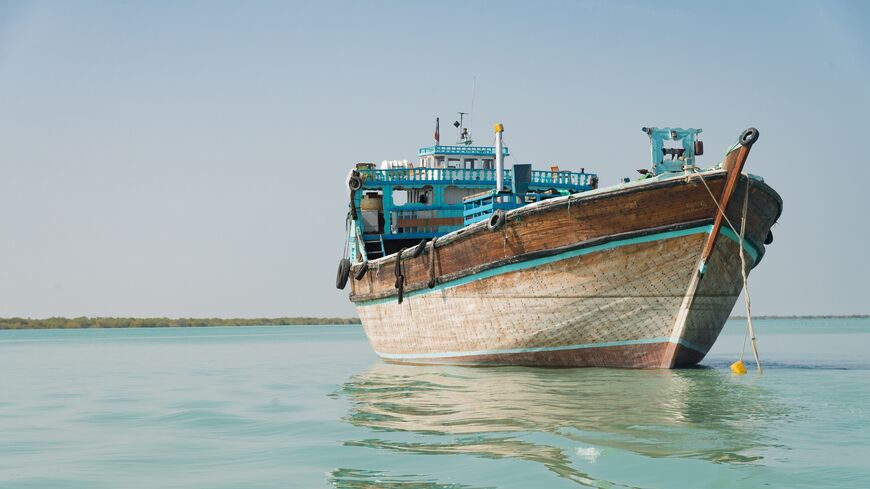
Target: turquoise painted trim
561,256
508,351
657,137
753,253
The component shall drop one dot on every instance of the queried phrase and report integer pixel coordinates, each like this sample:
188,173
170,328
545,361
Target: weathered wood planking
613,307
625,297
563,222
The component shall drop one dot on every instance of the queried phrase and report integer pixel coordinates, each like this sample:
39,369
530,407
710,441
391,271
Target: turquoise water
313,407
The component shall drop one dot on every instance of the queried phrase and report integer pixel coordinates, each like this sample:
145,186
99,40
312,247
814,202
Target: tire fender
496,220
361,271
342,274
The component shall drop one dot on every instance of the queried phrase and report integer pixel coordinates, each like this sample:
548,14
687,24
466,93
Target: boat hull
536,295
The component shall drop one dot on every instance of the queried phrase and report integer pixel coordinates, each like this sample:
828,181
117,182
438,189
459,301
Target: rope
352,205
432,278
743,267
400,278
716,201
746,299
345,249
741,235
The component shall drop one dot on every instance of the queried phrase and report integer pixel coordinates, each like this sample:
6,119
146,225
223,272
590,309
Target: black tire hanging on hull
497,220
361,271
418,250
343,273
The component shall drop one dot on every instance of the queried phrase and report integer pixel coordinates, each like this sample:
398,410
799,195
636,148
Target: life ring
749,137
343,273
361,271
418,250
355,183
769,238
497,220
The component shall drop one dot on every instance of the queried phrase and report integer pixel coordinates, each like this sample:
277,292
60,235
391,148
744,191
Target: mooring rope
400,277
741,235
345,249
715,201
432,277
746,299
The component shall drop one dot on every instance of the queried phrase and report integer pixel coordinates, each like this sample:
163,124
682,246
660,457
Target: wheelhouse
399,203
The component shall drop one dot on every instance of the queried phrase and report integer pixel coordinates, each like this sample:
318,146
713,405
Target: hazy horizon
162,159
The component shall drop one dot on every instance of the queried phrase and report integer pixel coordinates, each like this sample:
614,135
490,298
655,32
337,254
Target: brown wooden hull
596,279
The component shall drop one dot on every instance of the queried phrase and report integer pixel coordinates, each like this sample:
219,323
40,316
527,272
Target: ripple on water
697,413
309,407
345,478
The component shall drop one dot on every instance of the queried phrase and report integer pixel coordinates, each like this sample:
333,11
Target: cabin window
469,163
399,196
414,196
424,195
487,164
453,163
453,195
439,162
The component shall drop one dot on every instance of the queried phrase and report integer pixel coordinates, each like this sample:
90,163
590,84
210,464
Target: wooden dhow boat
458,260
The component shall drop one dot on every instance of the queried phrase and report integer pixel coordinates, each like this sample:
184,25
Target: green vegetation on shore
820,316
100,322
86,322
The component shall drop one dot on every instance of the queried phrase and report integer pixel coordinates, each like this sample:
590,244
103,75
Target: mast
499,158
464,136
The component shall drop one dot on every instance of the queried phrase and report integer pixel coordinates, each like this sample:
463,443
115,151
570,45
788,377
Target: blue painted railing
480,208
540,178
567,178
388,237
429,175
460,150
467,212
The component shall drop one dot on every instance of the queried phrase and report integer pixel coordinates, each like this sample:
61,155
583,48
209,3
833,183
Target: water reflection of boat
697,413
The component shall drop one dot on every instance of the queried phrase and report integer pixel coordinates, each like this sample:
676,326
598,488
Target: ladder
375,247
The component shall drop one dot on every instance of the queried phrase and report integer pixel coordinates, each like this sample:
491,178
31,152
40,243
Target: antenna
464,137
471,114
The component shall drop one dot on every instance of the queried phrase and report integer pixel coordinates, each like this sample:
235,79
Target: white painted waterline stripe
509,351
563,256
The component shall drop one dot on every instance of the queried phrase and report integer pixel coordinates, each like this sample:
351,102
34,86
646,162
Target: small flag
437,132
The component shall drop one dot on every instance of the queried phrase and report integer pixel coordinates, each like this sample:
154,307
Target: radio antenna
471,113
464,137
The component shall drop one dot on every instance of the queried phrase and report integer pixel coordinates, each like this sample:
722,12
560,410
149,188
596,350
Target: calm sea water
313,407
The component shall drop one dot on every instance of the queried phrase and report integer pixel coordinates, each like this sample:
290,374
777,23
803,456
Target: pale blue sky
188,158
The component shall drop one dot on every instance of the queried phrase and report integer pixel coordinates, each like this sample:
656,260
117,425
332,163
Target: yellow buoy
738,367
